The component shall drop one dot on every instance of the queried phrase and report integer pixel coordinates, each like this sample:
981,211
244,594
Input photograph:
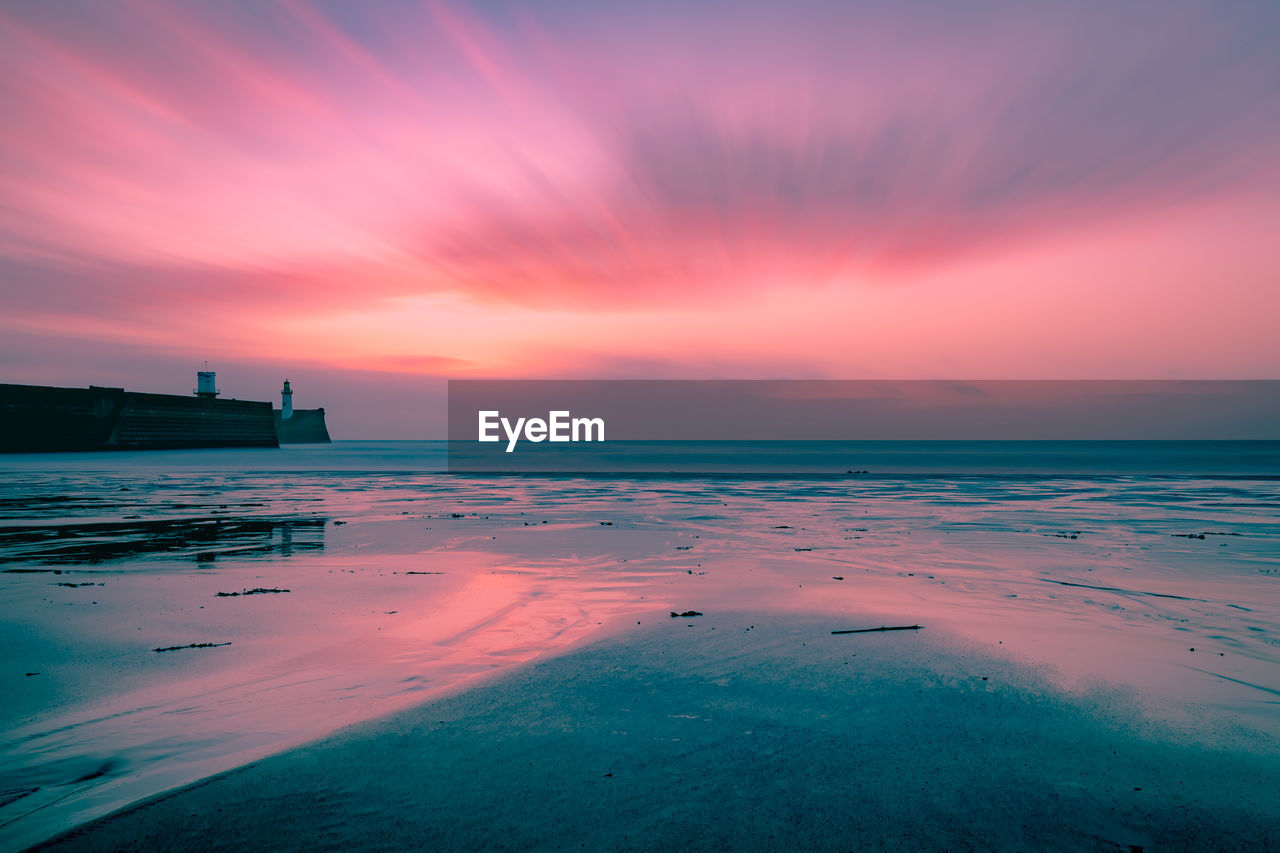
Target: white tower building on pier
286,401
206,384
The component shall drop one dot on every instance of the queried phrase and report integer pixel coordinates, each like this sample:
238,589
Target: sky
372,198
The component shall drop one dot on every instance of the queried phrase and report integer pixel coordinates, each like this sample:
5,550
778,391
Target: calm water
390,581
877,458
811,458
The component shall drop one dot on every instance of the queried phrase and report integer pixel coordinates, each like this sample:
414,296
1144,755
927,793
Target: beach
770,426
346,648
743,732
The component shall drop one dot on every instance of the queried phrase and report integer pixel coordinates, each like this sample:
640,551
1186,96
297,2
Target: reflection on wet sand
202,539
400,588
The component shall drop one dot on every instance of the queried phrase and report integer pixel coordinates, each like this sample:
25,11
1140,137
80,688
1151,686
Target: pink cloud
234,178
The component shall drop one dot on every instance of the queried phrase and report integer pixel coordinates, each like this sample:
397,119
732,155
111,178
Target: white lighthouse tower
286,401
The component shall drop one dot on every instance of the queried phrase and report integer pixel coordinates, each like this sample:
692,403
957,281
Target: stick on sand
881,628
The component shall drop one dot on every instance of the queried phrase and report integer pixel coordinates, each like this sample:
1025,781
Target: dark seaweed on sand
191,646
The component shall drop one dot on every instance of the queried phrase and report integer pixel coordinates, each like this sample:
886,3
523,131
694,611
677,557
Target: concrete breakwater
35,418
303,426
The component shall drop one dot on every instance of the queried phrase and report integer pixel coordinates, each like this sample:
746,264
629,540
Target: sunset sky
371,197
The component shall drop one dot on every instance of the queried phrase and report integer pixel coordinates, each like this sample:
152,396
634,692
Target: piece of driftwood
881,628
256,591
686,614
192,646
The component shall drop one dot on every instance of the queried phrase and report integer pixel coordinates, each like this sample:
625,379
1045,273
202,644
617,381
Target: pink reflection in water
433,582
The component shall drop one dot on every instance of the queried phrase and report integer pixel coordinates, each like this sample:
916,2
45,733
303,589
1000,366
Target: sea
168,615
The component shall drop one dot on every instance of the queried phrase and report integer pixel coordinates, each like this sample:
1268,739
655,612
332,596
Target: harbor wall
306,426
35,418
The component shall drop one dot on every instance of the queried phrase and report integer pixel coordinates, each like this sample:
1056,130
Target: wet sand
743,731
135,662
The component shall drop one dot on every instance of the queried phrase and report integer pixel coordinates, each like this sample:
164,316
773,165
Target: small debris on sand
192,646
256,591
687,613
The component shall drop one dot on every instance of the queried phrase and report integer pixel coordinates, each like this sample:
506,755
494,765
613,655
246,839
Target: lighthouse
298,426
